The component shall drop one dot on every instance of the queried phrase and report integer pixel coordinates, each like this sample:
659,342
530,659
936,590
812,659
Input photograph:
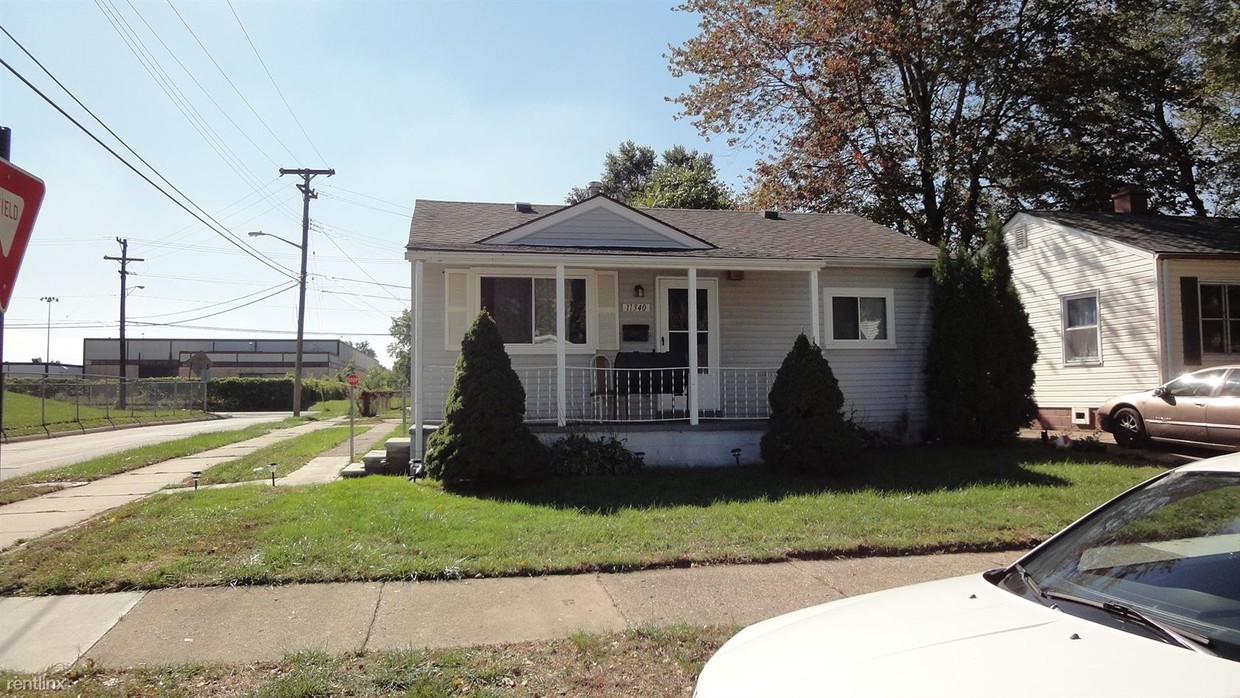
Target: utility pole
6,136
47,358
306,193
124,259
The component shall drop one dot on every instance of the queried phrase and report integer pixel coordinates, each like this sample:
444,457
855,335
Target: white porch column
693,343
415,356
815,332
561,341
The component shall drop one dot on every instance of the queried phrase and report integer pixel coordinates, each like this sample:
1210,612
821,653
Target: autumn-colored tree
888,109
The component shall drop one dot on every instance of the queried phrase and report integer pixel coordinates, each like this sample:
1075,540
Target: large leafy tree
682,178
1141,91
399,348
893,110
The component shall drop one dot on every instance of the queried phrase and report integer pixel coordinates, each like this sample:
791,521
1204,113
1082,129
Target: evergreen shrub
578,454
807,432
483,439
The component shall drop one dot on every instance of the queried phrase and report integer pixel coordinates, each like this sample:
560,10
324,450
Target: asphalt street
41,454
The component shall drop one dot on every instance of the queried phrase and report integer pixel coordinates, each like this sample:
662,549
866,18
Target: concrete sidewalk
68,507
248,624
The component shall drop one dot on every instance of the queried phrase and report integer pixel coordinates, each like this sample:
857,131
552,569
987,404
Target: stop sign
352,379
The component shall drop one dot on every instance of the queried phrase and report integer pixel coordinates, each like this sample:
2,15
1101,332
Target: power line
284,288
222,231
273,83
229,81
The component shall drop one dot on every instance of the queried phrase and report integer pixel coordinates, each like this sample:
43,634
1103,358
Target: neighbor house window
1081,345
1220,318
524,308
860,318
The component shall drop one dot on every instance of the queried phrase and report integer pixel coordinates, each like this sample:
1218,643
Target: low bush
578,454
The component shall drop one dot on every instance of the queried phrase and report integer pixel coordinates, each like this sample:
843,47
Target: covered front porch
645,382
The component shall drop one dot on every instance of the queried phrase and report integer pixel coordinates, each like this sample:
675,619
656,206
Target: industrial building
251,358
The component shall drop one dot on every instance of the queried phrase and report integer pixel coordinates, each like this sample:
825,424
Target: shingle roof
1191,235
453,226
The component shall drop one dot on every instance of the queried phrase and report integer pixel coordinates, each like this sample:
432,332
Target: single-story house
1123,301
592,300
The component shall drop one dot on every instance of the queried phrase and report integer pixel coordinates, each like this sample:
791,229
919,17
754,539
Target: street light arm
258,233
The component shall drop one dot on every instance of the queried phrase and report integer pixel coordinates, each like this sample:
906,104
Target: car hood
958,637
1137,398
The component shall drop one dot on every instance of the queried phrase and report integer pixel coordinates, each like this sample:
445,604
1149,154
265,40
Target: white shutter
608,311
456,307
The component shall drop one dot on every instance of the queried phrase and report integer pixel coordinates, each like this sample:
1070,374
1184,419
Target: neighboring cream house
615,359
1123,301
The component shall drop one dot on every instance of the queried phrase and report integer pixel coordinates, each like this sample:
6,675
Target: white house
1123,301
615,357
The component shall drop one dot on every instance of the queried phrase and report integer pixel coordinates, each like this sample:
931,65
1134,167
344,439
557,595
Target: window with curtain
1220,318
860,318
523,308
1081,339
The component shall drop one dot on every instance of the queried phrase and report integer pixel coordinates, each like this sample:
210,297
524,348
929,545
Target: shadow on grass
887,471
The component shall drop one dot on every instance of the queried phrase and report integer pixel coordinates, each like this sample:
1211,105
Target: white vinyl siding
600,228
1058,261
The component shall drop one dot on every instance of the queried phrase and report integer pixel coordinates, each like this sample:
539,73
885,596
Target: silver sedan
1200,408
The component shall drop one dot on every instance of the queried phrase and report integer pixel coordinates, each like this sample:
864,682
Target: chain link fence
49,403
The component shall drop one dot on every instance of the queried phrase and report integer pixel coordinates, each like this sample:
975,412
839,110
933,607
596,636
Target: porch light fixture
639,292
272,468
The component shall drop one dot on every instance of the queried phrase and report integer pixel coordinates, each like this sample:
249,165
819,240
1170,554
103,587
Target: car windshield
1169,551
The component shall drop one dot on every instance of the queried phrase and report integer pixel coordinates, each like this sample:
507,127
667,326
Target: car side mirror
1160,391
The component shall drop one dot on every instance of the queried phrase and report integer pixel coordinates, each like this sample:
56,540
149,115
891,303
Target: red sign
352,379
20,196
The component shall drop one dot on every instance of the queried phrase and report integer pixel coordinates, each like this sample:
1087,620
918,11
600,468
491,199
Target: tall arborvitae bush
483,439
807,432
979,366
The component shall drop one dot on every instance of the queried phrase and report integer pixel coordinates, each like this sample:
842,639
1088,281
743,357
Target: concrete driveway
42,454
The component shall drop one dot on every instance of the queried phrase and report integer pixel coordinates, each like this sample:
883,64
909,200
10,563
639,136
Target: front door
676,336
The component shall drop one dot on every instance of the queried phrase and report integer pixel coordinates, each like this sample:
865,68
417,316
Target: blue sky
497,101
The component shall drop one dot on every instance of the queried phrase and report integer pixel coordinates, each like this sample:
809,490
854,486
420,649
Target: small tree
807,432
483,438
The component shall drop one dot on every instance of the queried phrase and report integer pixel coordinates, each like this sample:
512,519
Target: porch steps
393,460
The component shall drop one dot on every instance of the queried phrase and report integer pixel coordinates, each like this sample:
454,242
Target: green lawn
27,486
376,528
23,415
651,663
288,455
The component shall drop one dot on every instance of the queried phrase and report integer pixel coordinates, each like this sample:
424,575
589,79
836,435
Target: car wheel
1129,428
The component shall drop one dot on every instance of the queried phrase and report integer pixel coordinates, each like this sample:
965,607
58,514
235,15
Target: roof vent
523,207
771,214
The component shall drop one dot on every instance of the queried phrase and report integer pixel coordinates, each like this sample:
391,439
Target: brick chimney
1130,199
595,188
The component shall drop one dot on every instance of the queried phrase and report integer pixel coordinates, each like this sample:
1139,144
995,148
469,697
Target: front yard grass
16,489
288,455
652,663
380,528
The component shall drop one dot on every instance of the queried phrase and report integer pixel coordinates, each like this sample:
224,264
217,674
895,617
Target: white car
1141,597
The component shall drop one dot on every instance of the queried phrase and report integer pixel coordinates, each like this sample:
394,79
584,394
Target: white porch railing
627,395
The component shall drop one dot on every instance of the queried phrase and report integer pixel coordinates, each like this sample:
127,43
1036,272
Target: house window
1081,344
1220,318
524,308
860,318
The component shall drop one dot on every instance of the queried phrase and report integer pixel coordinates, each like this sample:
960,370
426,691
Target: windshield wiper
1181,637
1030,583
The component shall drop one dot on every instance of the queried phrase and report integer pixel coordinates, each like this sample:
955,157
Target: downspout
561,389
815,330
693,343
415,356
1162,318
